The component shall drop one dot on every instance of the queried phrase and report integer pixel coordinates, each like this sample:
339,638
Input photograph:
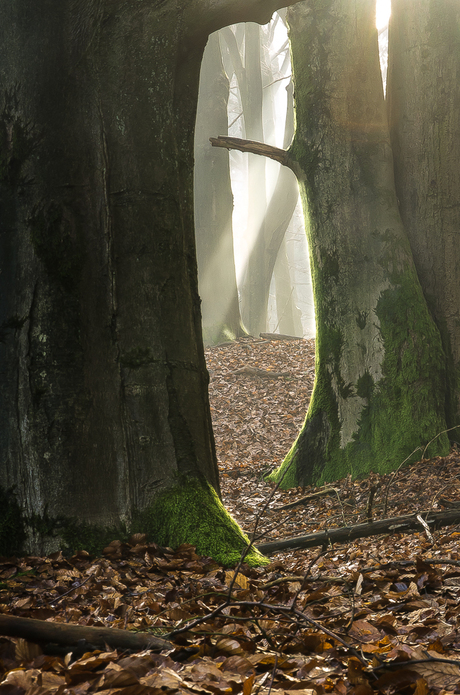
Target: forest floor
377,615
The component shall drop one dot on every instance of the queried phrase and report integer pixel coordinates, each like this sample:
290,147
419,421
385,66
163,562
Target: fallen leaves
379,615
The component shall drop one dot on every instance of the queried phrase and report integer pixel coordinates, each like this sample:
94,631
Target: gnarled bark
104,403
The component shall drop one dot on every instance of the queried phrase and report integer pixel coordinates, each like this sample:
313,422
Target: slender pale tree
267,220
214,205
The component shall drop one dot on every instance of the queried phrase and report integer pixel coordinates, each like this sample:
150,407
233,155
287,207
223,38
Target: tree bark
380,377
43,632
104,405
346,534
424,112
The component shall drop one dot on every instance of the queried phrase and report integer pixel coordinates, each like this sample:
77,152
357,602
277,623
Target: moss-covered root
191,512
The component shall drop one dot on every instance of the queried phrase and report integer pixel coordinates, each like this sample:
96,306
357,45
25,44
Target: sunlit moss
191,512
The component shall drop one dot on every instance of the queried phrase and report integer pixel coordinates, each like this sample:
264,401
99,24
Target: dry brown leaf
438,673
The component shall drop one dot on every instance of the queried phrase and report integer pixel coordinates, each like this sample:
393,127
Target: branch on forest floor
44,632
279,336
307,498
254,147
255,371
344,534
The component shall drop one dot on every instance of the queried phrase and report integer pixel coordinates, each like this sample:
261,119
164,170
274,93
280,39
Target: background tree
381,378
104,413
269,213
214,205
424,110
380,375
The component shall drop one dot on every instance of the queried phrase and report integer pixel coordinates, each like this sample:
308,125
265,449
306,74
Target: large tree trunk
214,206
104,413
380,376
424,108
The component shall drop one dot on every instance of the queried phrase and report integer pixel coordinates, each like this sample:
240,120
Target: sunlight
382,14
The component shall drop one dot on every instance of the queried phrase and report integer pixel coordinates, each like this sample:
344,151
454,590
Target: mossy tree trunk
424,110
380,374
214,206
104,404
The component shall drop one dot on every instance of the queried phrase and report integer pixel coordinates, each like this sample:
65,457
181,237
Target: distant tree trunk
380,374
276,220
288,315
253,310
214,206
104,415
424,108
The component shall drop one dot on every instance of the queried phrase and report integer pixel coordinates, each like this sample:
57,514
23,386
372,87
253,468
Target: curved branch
260,148
206,16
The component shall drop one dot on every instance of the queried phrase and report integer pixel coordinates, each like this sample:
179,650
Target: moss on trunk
192,513
380,372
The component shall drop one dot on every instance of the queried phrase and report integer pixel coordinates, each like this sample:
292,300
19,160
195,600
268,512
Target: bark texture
424,111
379,390
104,403
104,400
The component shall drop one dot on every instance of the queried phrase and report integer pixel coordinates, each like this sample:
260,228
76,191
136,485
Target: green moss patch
191,512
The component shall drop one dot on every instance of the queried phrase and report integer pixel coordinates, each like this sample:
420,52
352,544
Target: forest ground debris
377,615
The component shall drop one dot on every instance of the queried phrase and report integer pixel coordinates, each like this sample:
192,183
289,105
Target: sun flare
382,14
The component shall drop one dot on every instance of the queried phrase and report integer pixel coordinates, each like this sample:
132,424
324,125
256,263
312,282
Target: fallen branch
307,498
344,534
45,632
279,336
255,371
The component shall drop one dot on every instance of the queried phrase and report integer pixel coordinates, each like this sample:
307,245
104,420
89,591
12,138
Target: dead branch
397,524
255,371
279,336
307,498
45,632
260,148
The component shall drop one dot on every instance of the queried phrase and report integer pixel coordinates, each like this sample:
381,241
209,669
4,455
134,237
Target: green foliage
191,512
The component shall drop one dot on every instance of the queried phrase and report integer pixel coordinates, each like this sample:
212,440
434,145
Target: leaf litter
377,615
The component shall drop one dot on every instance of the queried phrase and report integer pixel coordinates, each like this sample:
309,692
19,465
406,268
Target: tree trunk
253,307
288,315
424,109
266,225
104,414
214,206
380,376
